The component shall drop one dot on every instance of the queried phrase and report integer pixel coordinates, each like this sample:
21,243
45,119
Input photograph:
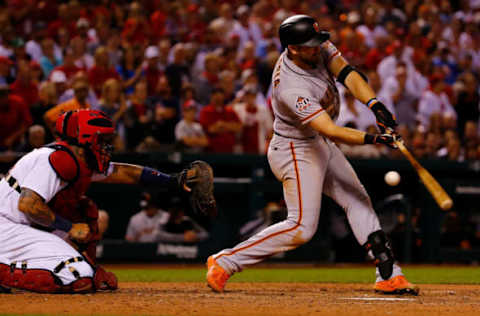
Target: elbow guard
346,71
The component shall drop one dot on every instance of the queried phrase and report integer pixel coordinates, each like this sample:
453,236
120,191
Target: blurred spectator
5,71
188,133
101,71
113,104
144,226
246,29
370,30
47,99
179,227
249,78
33,46
70,93
468,101
152,73
220,123
205,83
83,59
79,101
470,133
136,29
257,122
139,115
68,67
36,138
225,24
24,86
273,212
399,53
58,78
177,72
166,112
130,68
227,82
447,64
48,61
36,72
403,92
164,46
15,118
435,100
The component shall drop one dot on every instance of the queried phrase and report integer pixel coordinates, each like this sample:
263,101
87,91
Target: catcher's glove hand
197,182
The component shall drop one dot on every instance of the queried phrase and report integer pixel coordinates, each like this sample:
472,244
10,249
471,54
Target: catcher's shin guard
379,244
42,281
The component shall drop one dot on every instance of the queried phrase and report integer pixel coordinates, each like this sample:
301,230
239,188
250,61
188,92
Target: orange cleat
397,285
216,276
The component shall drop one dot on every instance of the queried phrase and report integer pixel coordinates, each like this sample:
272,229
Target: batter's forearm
349,136
359,88
33,205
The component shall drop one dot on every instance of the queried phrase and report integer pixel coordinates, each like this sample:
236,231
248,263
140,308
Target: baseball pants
306,168
21,244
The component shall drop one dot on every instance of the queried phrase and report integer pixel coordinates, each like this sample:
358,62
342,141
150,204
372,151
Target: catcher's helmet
301,30
92,130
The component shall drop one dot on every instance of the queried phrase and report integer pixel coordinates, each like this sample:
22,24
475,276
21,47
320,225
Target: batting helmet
301,30
92,130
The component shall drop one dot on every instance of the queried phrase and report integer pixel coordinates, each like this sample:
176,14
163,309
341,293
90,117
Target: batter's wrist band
371,102
62,224
153,176
369,139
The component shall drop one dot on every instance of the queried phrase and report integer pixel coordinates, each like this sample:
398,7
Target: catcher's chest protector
73,171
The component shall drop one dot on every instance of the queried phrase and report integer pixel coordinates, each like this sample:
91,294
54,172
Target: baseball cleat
397,285
216,276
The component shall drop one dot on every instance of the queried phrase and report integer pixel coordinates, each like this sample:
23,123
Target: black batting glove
386,139
385,119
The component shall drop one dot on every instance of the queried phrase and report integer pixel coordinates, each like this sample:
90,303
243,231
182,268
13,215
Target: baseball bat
432,185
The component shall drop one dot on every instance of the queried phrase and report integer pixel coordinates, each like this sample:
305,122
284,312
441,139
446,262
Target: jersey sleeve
329,51
43,179
302,104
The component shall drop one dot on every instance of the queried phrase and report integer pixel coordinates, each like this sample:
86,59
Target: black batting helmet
301,30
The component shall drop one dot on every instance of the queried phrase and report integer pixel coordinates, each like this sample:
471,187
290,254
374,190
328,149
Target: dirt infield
266,299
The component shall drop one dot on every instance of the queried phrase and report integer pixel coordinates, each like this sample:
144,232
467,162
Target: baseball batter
43,185
304,157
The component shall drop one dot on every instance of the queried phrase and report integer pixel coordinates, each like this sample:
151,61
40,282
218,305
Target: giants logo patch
302,103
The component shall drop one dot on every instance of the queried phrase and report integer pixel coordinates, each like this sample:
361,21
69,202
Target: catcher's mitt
197,181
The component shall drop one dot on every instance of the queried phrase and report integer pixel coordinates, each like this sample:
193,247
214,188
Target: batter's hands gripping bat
435,189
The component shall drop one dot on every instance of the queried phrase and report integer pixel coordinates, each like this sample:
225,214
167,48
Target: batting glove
385,119
386,139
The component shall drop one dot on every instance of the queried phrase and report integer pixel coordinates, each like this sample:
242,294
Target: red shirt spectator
15,118
69,68
24,86
136,28
152,73
101,71
220,123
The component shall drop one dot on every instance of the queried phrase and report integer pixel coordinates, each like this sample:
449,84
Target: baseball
392,178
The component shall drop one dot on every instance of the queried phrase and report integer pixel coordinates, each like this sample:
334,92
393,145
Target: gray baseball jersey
307,165
300,95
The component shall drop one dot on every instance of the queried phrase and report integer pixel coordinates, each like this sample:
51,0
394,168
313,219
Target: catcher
43,197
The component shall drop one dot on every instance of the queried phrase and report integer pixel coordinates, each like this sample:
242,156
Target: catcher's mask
92,130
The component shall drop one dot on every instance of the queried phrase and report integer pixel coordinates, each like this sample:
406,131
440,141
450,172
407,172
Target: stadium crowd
195,75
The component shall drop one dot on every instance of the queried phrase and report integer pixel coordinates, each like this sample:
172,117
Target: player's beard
312,60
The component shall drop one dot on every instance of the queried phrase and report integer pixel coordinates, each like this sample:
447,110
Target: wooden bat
435,189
